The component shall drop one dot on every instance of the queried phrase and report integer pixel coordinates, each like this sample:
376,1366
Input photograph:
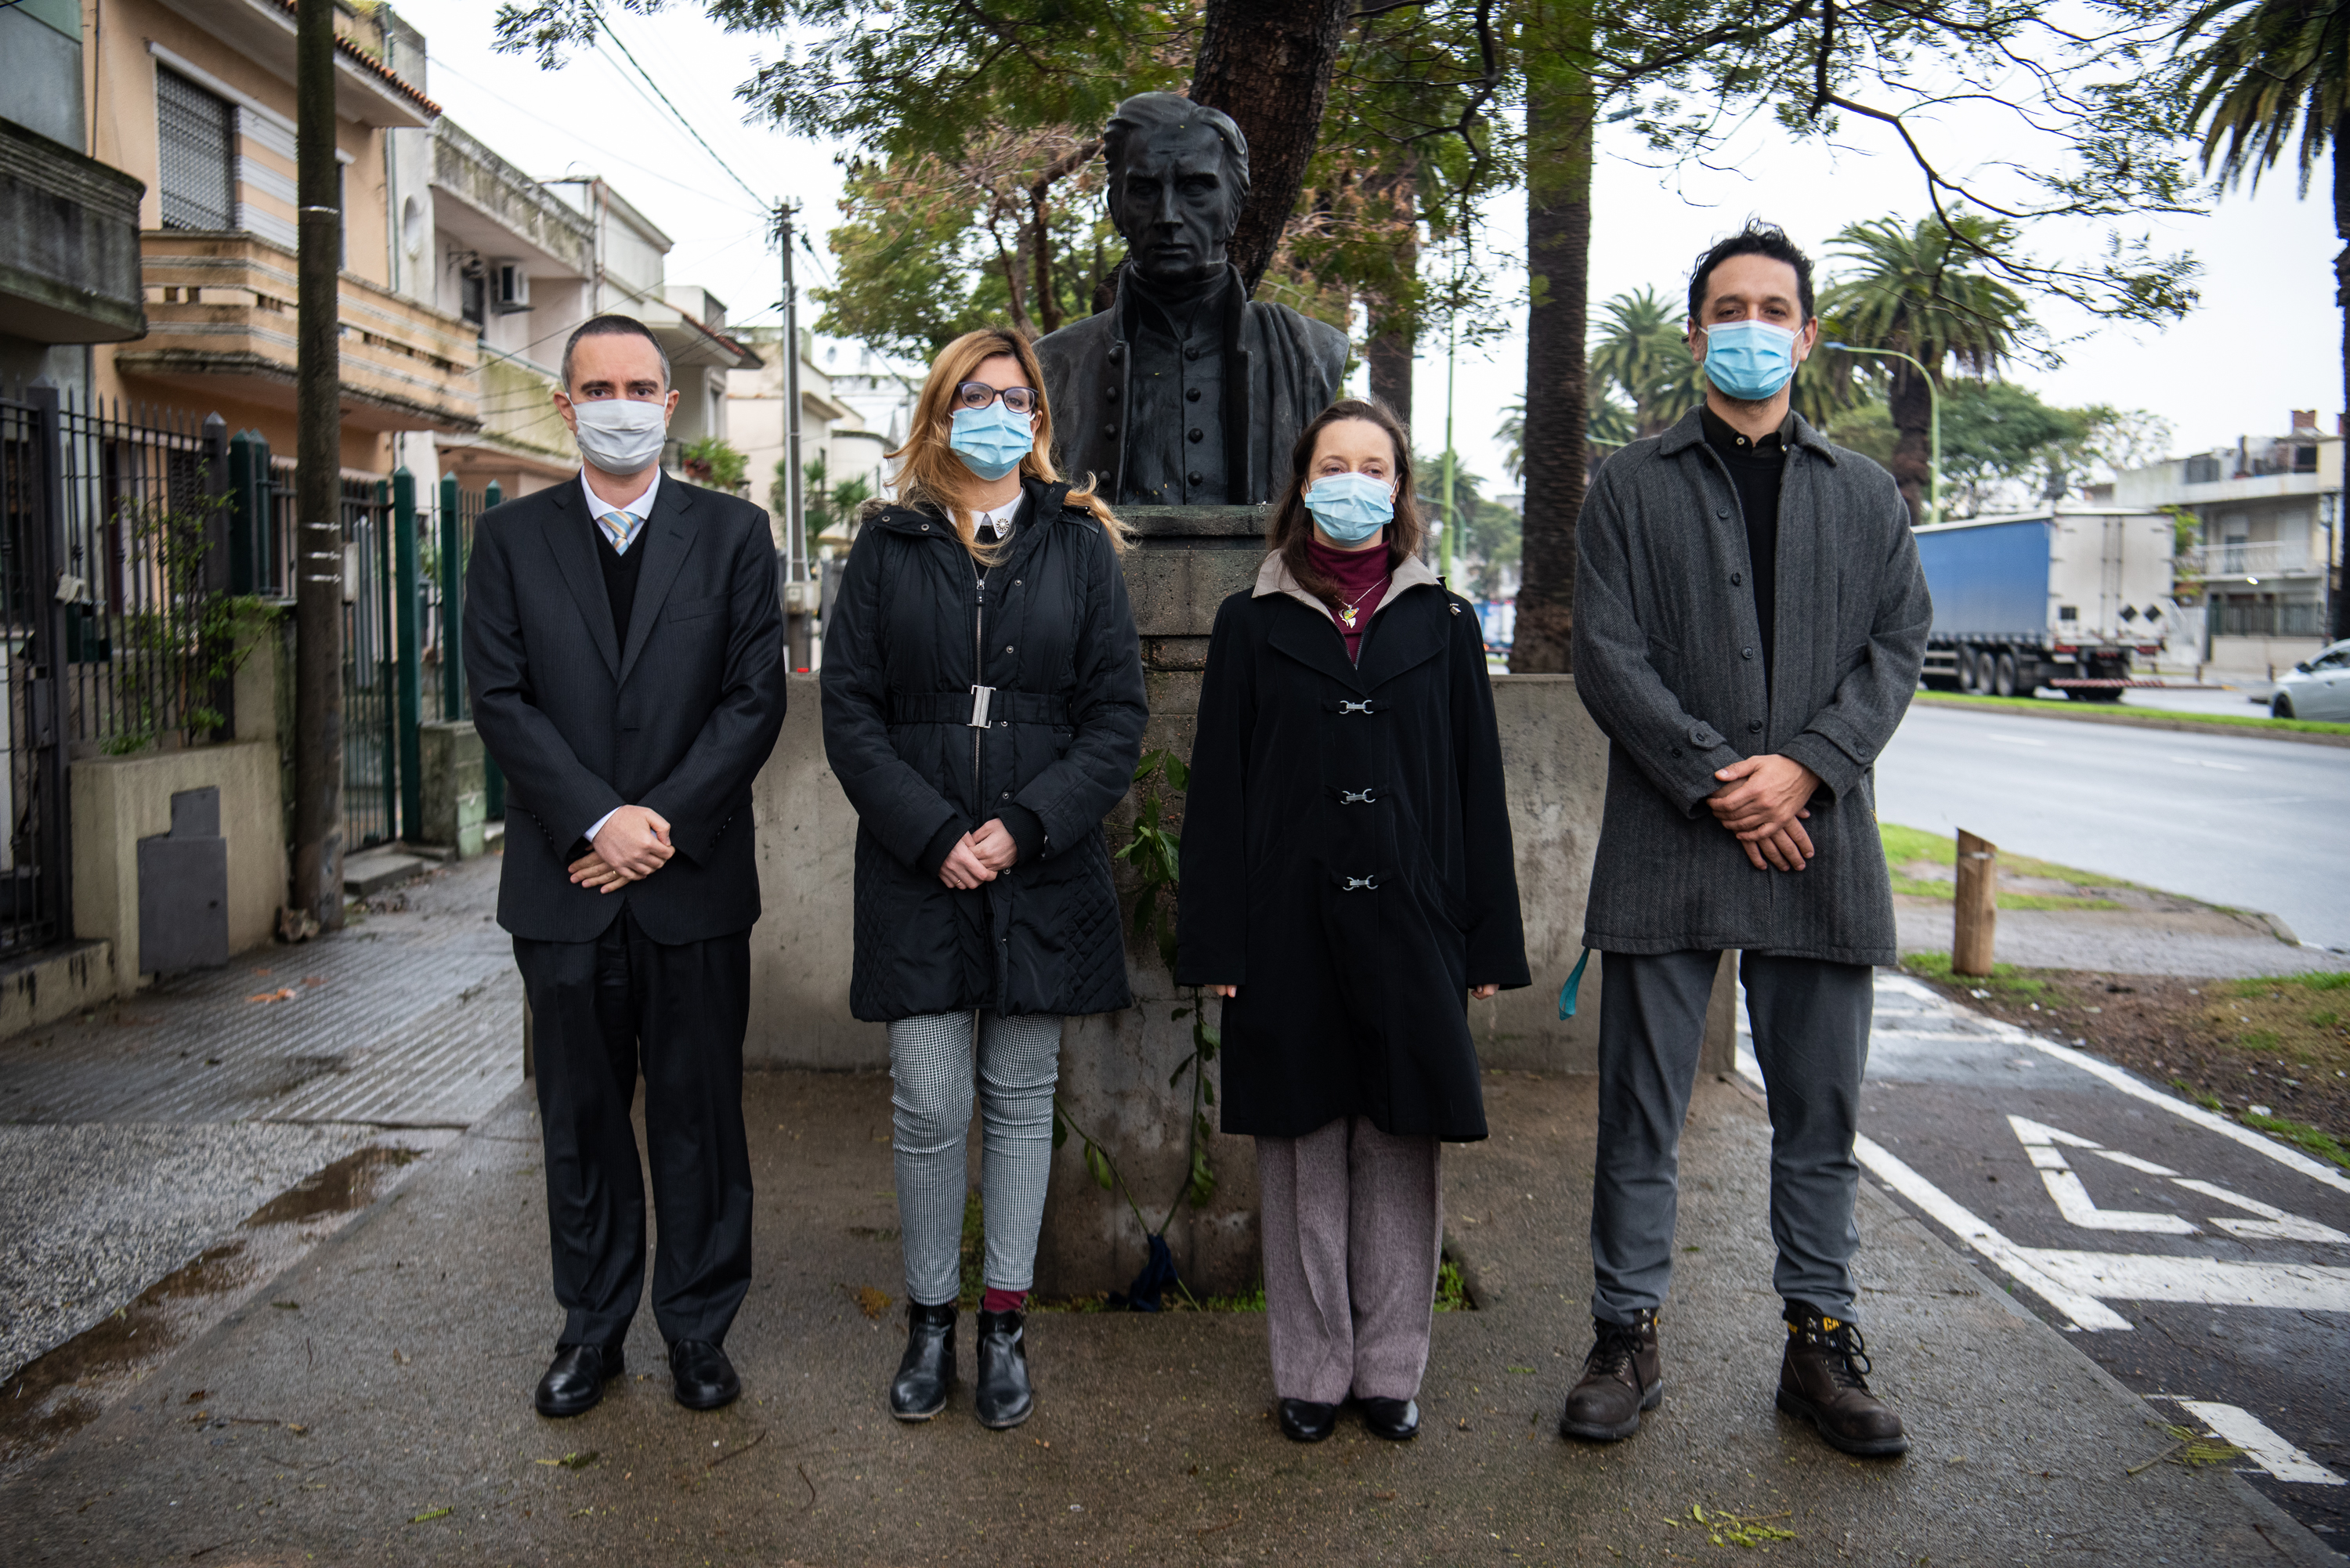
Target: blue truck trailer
2061,599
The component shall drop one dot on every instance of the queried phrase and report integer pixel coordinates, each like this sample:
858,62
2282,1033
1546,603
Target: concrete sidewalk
372,1404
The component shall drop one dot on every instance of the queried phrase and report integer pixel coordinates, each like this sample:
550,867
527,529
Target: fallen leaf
286,1306
296,1427
283,994
198,1397
314,980
872,1303
436,1513
1384,1496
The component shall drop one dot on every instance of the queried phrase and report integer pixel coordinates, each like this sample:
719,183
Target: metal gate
34,889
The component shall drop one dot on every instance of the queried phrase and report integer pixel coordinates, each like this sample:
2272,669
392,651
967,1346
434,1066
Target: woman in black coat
1348,882
983,709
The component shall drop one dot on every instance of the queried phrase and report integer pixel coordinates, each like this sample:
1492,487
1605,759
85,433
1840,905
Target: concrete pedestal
455,798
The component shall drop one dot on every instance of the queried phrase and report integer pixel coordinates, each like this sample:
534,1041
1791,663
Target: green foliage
2274,65
1487,550
2003,445
1642,356
826,507
713,462
168,658
2301,1135
1925,291
1451,1293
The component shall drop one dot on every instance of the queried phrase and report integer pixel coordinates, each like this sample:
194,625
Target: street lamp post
1933,417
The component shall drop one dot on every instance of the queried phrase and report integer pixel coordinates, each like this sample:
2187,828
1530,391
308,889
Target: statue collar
1182,304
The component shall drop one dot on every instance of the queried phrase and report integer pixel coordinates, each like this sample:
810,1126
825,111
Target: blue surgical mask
1350,507
990,440
1748,360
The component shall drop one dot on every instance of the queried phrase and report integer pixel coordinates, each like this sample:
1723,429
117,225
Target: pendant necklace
1347,615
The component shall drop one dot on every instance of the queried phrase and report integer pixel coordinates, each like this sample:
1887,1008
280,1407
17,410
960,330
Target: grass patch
2290,1027
2004,980
2302,1135
1451,1295
2044,705
1907,849
2187,1091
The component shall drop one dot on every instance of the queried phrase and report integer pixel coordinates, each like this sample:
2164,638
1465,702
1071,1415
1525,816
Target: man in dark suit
624,642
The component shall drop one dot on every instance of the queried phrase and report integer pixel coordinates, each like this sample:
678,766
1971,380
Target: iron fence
2288,618
36,890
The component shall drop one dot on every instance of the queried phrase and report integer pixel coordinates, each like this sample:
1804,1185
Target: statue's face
1176,205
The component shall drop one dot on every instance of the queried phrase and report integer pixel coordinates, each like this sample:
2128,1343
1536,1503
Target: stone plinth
456,797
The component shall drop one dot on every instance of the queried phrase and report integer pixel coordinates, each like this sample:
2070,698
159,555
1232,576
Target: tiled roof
372,65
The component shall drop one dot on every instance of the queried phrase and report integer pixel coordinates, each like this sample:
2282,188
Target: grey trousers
931,1074
1353,1220
1810,1021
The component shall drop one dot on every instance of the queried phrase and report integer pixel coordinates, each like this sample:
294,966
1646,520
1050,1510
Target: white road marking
2013,740
2272,1222
2135,1163
2262,1445
2072,1199
2291,1157
2208,762
2085,1310
2134,1277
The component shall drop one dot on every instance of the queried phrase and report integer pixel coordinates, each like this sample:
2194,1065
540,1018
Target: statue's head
1179,175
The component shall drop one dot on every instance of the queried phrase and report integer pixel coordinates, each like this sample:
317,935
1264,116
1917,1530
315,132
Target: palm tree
2276,65
1924,292
1643,356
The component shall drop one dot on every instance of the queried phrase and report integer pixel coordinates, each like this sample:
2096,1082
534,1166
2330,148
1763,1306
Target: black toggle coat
1346,859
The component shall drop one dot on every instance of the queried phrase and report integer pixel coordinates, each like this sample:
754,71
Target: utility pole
318,492
1451,509
795,561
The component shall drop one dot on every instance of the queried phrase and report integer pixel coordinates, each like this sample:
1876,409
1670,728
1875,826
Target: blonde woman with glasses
984,710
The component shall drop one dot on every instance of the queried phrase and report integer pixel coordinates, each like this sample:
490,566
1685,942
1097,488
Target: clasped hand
1761,801
980,857
631,845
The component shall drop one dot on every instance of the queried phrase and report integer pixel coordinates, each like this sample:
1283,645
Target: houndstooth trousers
932,1069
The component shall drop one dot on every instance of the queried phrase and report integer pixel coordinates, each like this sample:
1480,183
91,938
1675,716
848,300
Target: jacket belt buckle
982,700
1362,707
1357,797
1360,884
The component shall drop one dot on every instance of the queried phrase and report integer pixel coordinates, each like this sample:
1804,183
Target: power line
622,45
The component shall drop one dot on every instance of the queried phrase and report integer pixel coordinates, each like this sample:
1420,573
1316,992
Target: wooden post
1978,904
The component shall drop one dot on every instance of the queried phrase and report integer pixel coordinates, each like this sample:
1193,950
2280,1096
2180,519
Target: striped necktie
621,528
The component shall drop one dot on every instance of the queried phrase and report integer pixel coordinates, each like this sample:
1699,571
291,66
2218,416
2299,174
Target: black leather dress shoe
574,1380
1002,1397
1397,1420
926,1373
1303,1421
704,1378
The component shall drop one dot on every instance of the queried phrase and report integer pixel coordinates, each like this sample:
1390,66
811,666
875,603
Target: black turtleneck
1756,469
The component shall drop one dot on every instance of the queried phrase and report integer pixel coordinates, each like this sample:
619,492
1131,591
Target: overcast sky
2265,340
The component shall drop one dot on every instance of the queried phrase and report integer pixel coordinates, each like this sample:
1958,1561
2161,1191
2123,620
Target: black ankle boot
1002,1397
927,1372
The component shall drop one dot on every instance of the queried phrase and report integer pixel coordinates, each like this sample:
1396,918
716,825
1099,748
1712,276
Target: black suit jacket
679,720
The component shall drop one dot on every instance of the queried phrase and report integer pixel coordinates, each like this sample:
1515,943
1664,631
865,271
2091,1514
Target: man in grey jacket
1749,622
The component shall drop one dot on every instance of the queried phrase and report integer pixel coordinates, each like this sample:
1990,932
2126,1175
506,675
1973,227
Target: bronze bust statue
1184,391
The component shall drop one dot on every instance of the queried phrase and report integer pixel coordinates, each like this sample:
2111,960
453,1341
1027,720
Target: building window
196,164
2204,470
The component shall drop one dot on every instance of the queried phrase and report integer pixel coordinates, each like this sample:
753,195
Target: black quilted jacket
912,631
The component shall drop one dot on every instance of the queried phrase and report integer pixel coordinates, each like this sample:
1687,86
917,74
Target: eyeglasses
979,394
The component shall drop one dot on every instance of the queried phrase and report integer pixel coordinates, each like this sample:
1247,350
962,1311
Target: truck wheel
1967,671
2003,682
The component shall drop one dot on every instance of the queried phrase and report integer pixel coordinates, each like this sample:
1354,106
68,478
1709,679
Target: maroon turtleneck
1360,577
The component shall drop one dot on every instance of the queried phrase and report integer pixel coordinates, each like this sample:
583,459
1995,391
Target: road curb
2134,718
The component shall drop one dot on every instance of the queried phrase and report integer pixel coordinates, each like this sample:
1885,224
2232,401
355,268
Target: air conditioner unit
510,287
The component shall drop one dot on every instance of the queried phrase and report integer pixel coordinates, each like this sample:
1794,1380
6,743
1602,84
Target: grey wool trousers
1352,1219
1810,1019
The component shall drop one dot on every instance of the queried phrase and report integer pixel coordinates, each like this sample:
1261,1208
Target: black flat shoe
704,1378
927,1371
1397,1420
1003,1398
574,1380
1303,1421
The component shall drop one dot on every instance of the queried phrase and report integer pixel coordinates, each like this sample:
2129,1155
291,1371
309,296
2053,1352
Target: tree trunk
2338,573
1268,64
1393,345
1912,406
1559,112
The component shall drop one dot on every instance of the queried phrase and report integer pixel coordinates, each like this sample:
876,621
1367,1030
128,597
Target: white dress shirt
633,515
997,524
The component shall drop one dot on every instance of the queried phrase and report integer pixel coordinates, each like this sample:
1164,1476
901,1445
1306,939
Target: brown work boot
1623,1375
1821,1378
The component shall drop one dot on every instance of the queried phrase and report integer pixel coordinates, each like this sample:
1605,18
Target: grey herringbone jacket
1665,661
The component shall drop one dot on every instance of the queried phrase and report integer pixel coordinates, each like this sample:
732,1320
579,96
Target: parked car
2317,690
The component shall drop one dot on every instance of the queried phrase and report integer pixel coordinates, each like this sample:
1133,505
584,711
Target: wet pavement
2203,1265
382,1414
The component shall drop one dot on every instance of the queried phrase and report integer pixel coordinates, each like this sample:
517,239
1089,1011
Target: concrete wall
801,951
117,801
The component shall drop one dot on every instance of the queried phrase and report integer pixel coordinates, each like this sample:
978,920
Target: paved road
2255,823
2205,1267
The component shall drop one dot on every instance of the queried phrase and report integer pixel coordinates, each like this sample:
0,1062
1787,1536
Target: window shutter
197,162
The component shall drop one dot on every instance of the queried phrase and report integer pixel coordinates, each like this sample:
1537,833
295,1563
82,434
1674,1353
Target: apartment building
832,428
2265,568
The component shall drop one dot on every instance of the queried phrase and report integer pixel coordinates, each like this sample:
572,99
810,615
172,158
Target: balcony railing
2264,559
221,305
